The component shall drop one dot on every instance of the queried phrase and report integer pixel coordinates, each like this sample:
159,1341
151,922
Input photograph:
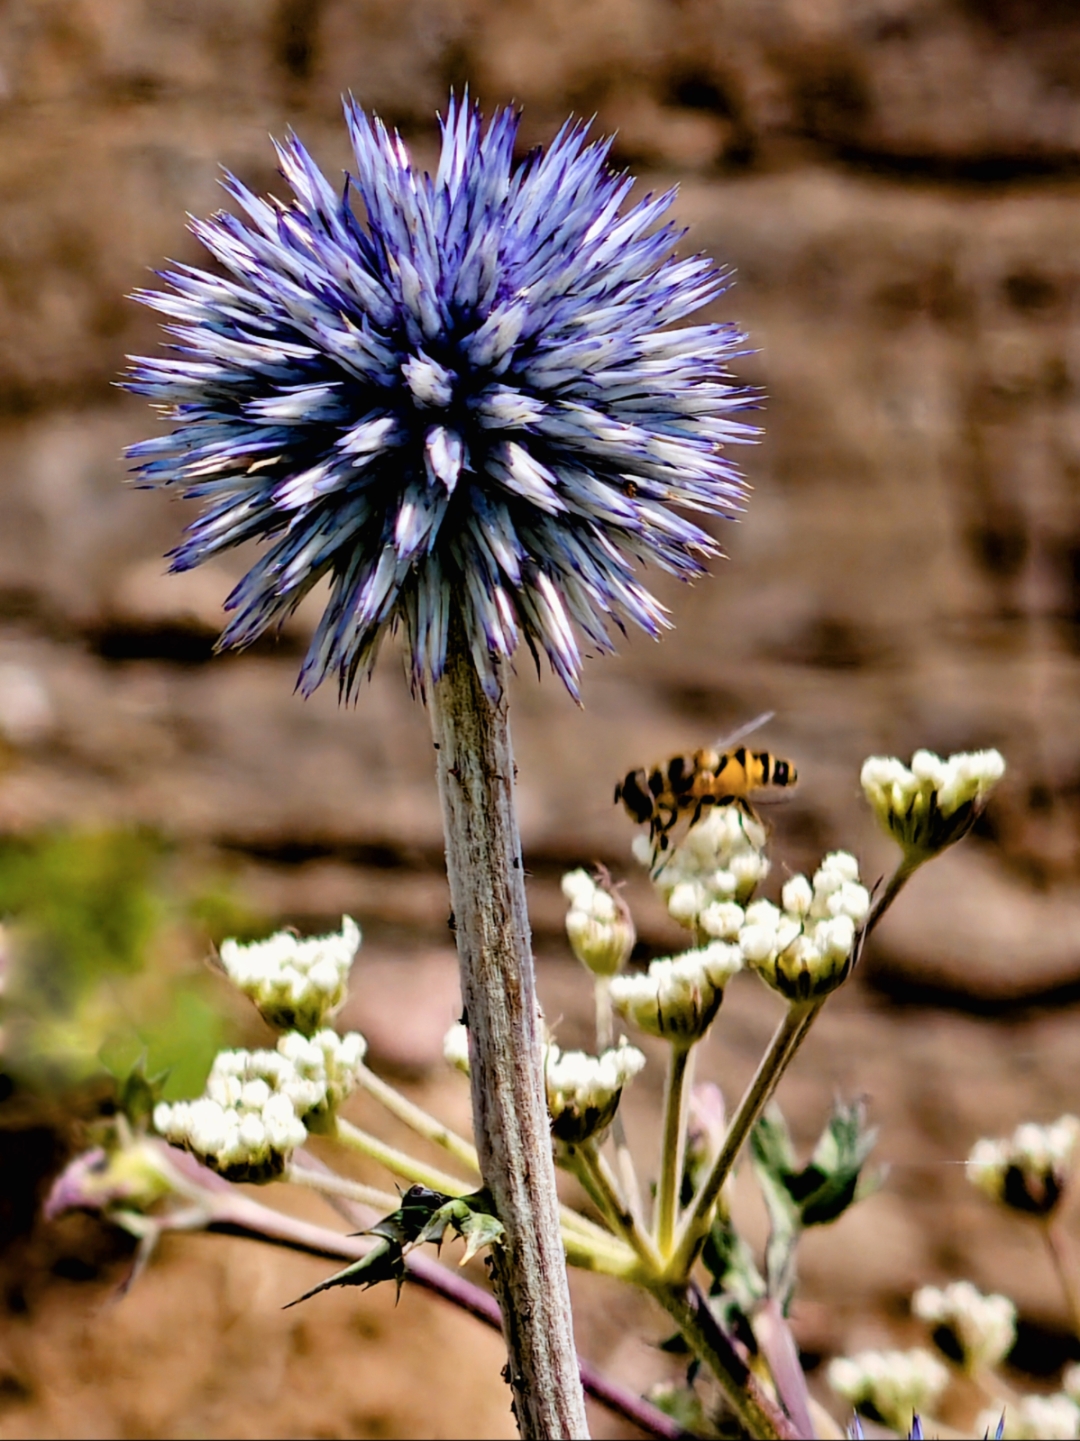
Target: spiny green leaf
384,1262
423,1215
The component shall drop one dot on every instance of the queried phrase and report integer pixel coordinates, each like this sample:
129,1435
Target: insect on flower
472,394
686,785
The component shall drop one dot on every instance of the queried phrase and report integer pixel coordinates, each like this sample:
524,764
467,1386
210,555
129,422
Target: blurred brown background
897,185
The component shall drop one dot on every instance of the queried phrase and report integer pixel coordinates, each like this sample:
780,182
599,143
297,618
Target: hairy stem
671,1151
786,1040
510,1120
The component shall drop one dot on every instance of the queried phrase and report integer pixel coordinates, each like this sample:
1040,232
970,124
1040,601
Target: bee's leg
699,809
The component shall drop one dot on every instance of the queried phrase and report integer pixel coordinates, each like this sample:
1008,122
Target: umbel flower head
296,984
895,1385
1030,1170
936,802
974,1330
468,397
583,1091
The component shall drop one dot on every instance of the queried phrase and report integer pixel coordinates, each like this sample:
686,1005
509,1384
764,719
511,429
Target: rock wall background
896,184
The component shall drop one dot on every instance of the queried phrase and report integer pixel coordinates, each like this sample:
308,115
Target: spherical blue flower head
471,400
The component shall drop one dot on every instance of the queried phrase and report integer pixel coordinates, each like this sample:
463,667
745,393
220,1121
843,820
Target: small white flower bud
722,920
455,1047
797,896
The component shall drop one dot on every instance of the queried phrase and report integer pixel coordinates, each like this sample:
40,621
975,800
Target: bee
726,774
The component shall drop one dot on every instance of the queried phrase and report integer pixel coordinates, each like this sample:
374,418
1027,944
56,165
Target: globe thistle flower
469,399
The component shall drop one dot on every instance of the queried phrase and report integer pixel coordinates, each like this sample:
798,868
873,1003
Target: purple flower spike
470,399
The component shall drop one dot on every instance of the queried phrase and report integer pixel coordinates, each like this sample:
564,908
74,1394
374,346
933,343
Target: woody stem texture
487,890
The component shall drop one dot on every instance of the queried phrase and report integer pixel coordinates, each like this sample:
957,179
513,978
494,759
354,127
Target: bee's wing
726,742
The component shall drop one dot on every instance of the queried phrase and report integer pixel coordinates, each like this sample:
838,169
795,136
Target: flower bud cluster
982,1328
455,1047
804,950
583,1091
259,1105
1033,1418
678,998
598,924
896,1384
298,985
721,859
1029,1171
935,802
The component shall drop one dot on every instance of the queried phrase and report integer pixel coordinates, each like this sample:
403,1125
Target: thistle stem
419,1120
671,1151
510,1121
786,1040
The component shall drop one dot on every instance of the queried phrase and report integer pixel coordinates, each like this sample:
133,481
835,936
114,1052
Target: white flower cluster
583,1091
259,1105
455,1047
296,984
897,1384
804,949
1033,1418
1029,1170
598,924
984,1327
932,804
719,860
679,997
